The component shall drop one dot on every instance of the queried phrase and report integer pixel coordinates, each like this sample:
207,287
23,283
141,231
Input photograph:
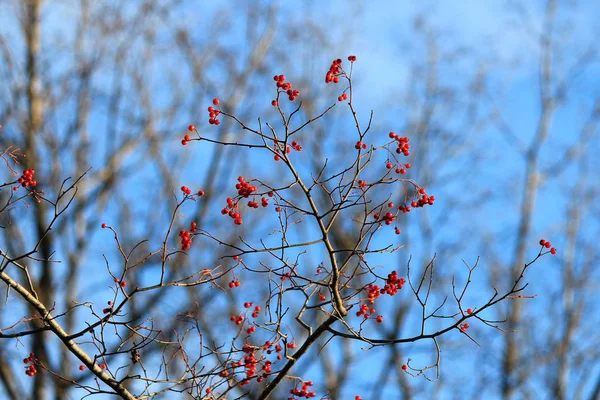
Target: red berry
553,251
216,101
191,128
103,226
469,311
542,242
404,367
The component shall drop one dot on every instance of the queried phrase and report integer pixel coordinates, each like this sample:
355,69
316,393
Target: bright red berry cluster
234,283
365,311
213,113
464,327
232,211
31,370
244,188
186,190
304,391
186,236
255,312
26,179
249,362
121,283
343,96
187,138
286,87
238,319
360,145
334,71
393,284
423,200
296,146
548,245
403,146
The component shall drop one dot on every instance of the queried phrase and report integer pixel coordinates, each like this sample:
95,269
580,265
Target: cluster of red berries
186,236
278,349
304,391
285,87
186,190
393,284
31,370
373,292
464,327
366,312
249,362
403,146
288,149
402,170
362,184
108,309
423,200
234,283
26,179
296,146
244,188
334,70
121,283
213,113
263,202
343,97
232,211
187,138
238,319
360,145
255,312
548,245
388,217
